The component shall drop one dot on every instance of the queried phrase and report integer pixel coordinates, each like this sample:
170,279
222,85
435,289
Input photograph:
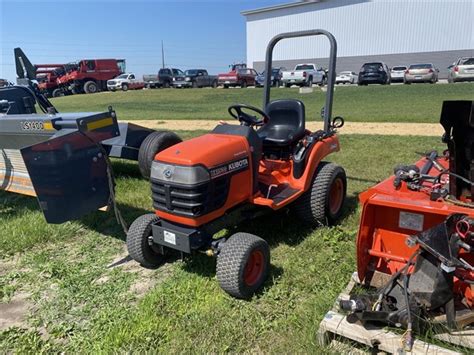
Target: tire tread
231,263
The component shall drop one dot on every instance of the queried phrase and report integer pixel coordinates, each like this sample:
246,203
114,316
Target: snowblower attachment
415,246
57,157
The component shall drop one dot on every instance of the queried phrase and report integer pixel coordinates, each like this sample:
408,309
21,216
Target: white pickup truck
125,82
303,75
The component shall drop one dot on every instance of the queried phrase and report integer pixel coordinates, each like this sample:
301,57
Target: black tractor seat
287,123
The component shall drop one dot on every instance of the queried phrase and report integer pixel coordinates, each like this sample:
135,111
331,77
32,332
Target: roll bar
331,73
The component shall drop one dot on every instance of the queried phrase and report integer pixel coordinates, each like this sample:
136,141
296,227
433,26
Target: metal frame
331,72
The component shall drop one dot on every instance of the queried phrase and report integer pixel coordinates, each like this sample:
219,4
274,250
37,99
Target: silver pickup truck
303,75
150,80
195,78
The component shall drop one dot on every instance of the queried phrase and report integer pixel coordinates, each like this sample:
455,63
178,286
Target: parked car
397,73
151,80
238,76
166,76
374,73
304,75
125,82
421,73
275,79
461,70
196,78
346,77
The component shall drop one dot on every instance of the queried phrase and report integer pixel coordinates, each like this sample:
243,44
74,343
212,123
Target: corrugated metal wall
365,28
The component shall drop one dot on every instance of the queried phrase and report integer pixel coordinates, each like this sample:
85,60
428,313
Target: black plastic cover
457,118
69,175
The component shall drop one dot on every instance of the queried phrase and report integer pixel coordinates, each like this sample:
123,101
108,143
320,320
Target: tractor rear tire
138,242
90,87
243,264
154,143
323,202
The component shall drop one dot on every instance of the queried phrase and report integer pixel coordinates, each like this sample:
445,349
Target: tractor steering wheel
246,119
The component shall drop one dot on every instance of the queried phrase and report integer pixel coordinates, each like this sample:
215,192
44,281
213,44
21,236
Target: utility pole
162,55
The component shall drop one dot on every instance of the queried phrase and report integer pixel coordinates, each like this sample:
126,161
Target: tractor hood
210,150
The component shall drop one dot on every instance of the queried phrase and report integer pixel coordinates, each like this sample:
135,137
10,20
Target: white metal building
398,32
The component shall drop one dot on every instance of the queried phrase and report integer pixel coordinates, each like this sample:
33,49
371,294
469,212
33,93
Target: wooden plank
335,323
464,338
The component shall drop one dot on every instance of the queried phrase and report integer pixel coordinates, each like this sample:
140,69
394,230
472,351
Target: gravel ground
399,129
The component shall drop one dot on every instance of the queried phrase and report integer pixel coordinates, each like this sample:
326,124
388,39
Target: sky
205,34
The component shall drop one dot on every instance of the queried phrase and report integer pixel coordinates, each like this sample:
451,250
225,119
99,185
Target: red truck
89,75
239,75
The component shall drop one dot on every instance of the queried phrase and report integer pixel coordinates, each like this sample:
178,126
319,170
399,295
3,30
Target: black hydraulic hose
429,164
111,182
397,274
456,176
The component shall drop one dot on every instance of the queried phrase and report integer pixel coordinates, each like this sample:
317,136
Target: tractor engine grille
190,201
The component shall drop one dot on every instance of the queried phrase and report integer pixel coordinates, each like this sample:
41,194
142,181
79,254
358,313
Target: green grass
80,304
395,103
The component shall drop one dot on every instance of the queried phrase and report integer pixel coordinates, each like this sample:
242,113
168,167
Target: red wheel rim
254,268
336,195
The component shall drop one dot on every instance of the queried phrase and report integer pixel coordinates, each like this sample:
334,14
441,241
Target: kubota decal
232,167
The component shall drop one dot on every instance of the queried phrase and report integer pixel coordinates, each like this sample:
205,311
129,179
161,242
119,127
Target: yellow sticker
100,124
48,125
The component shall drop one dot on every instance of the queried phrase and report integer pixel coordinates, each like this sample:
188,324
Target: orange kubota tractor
416,237
236,173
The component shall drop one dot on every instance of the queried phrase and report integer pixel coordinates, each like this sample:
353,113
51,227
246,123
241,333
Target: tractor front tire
154,143
90,87
323,202
138,242
243,264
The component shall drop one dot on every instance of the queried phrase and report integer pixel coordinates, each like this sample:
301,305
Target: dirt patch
382,128
8,265
13,313
147,278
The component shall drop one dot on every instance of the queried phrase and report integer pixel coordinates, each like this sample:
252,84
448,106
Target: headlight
187,175
187,79
174,79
